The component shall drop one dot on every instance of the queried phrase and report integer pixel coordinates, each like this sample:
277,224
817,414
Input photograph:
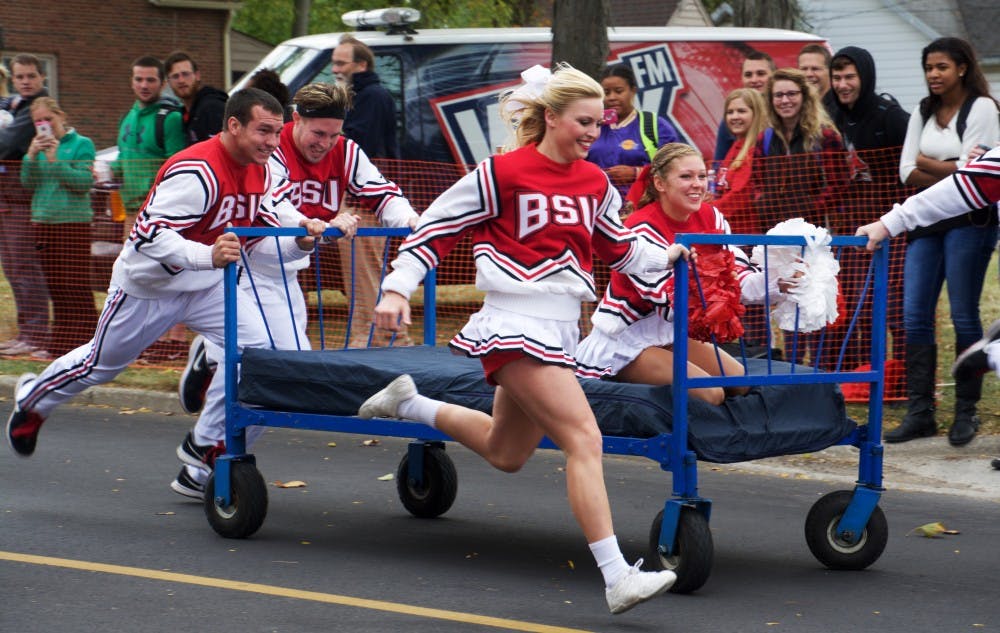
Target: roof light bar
394,16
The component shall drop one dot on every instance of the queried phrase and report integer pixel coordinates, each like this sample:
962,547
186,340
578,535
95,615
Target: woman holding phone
57,169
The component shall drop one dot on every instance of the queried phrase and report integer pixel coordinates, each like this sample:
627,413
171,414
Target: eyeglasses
184,74
791,94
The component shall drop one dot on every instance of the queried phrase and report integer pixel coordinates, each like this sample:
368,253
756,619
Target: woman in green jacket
57,168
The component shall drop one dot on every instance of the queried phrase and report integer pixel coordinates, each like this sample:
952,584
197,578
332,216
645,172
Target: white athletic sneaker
385,403
637,586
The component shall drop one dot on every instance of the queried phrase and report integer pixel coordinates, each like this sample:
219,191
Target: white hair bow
535,80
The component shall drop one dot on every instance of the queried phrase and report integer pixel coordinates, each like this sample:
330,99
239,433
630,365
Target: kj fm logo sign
471,120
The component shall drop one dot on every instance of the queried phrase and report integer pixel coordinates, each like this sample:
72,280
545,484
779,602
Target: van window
456,68
290,62
389,69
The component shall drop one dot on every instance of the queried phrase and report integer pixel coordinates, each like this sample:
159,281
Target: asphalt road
92,539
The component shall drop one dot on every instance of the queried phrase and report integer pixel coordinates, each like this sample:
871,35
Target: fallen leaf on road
332,444
370,443
290,484
931,530
388,477
165,514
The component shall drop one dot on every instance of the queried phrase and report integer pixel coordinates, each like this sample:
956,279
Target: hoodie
204,119
874,121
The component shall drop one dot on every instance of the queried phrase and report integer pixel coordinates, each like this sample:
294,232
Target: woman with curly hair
802,171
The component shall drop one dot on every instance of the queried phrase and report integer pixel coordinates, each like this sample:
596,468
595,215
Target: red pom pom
720,315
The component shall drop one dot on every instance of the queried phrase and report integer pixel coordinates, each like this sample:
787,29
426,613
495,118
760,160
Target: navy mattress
770,420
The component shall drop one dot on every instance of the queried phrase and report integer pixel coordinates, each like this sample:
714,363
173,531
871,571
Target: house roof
981,19
973,20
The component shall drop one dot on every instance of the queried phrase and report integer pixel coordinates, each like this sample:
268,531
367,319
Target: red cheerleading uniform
196,193
317,189
534,225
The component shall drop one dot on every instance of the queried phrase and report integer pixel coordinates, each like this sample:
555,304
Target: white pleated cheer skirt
602,354
493,329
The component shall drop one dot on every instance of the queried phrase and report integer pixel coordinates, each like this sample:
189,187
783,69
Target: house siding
868,23
893,37
690,13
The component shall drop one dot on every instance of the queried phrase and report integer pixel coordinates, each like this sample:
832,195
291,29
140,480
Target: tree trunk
777,14
580,34
301,24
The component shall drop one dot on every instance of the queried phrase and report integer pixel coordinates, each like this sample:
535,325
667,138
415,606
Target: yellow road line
284,592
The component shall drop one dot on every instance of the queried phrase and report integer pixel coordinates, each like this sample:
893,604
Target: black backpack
963,114
166,105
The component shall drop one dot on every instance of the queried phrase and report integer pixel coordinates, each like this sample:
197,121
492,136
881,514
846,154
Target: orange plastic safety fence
43,275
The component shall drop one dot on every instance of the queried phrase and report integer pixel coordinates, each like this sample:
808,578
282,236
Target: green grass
164,378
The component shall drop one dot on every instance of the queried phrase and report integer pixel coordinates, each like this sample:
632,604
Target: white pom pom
812,302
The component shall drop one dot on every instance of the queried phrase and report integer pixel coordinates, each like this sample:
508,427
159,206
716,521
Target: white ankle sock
609,559
420,408
200,475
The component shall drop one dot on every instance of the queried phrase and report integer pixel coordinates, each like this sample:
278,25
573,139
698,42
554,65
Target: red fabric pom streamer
722,311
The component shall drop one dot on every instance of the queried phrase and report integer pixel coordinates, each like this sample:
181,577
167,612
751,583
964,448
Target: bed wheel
434,496
248,494
692,560
832,550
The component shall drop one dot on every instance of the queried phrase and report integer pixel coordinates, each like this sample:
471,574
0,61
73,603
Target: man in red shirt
168,271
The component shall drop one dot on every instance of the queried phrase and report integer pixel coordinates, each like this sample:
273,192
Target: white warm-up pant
287,328
126,327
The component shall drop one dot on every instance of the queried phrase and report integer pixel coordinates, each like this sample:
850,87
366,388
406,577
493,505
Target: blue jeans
959,256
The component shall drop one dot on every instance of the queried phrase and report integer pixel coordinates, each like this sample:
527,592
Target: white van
446,81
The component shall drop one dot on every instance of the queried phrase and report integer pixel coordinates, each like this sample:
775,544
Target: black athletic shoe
23,426
198,455
973,362
185,485
196,377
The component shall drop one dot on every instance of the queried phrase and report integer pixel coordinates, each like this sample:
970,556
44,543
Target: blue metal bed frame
844,530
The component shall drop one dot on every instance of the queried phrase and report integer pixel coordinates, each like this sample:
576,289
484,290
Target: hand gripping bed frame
790,409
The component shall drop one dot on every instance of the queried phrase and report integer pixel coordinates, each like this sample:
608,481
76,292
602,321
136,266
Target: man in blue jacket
371,123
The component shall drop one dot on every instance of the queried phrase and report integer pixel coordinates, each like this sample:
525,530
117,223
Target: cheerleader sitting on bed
632,337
